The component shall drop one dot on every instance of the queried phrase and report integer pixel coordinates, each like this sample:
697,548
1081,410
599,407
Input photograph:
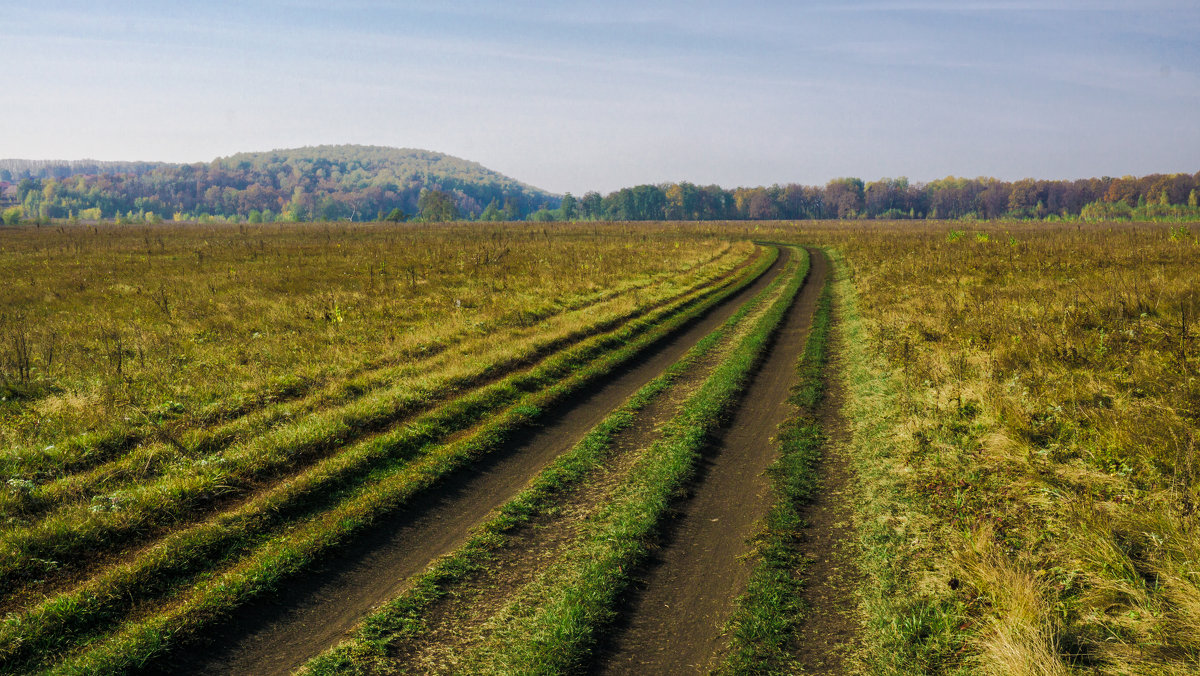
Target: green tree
542,216
569,207
492,213
511,209
592,205
437,207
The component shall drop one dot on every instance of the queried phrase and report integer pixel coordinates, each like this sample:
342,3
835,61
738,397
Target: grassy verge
395,475
770,611
131,512
551,630
404,617
913,625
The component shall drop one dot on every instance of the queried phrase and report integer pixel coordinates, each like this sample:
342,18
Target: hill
330,182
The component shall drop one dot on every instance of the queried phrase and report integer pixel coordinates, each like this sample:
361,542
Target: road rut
672,621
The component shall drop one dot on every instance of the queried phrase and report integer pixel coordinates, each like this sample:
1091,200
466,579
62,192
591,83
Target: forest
320,183
368,183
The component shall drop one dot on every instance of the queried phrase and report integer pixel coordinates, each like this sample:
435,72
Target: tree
994,198
592,205
649,203
395,216
845,197
762,207
511,209
569,207
437,206
492,213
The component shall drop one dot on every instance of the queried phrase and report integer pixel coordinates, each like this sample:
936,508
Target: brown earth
277,635
826,638
456,621
673,620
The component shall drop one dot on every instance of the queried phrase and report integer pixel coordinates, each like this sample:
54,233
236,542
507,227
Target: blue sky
579,96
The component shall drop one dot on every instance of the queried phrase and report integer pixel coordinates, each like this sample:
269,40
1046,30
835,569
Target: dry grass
1021,634
1050,404
124,327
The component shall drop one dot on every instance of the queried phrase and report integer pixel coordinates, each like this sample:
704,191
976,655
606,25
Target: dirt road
672,622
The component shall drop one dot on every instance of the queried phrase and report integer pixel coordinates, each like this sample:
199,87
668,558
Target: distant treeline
363,183
1158,196
358,183
11,170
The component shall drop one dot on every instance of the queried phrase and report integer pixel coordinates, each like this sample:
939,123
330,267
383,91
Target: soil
832,622
672,622
277,635
456,622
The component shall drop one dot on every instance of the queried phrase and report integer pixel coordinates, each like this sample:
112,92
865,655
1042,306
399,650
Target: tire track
673,621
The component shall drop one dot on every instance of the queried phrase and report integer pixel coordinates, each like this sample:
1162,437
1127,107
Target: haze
576,97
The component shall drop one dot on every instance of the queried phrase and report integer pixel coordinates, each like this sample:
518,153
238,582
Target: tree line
1147,197
363,183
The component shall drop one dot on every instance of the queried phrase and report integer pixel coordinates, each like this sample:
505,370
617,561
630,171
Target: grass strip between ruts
770,611
404,616
217,594
575,598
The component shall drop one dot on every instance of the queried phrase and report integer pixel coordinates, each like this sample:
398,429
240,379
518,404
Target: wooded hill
313,183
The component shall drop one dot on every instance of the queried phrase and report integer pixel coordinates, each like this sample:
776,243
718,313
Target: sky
578,96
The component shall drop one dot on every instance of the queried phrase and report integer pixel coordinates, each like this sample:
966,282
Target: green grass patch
911,628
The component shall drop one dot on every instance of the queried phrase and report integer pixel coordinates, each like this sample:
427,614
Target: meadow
110,329
1026,404
200,422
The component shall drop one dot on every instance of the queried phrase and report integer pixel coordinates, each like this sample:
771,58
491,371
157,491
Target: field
1035,398
825,447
